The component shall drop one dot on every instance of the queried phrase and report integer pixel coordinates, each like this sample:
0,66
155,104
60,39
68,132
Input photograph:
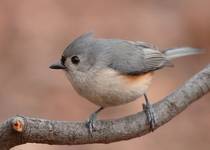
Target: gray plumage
180,52
112,72
126,57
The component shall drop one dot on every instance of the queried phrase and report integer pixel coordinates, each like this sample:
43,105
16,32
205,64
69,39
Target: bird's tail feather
180,52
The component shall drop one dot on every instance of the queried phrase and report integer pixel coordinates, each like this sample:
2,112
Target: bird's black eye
75,59
63,59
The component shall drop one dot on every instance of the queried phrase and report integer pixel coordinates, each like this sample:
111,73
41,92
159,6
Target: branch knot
18,124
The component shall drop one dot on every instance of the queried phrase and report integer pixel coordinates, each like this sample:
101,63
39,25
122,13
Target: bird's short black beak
57,65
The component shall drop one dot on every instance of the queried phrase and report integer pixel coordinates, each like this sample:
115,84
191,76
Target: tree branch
20,129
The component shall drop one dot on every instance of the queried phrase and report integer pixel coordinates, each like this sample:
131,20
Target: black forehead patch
63,59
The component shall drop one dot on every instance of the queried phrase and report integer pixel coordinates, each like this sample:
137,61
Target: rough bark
21,129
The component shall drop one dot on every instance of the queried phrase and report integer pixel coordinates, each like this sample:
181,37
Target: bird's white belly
109,88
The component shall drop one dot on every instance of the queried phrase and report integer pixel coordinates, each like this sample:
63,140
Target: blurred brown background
33,35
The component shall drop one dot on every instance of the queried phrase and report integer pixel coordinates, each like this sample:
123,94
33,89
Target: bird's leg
92,119
149,110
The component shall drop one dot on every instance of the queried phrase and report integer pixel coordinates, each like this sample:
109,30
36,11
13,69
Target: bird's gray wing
141,44
134,58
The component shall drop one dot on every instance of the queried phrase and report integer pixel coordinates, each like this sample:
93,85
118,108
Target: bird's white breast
109,88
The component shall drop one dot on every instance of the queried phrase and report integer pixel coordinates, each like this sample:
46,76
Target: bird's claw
91,121
90,124
150,113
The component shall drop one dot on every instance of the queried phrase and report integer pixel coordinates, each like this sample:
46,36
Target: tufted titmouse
111,72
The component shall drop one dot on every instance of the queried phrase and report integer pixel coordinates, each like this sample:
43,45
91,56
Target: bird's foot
90,124
150,113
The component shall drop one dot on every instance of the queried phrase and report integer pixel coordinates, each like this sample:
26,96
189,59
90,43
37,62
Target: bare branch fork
20,129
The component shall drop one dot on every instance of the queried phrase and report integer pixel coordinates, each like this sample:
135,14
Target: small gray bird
112,72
